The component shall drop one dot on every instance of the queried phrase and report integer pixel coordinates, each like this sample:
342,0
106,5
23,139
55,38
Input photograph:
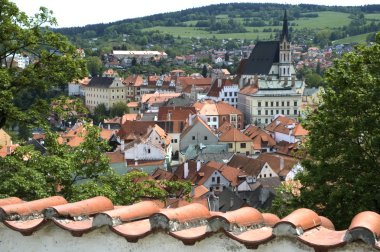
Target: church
267,81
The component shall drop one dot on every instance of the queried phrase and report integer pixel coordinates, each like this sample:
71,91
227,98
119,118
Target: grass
375,16
325,20
353,39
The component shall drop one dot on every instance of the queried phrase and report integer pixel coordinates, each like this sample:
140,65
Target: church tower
285,57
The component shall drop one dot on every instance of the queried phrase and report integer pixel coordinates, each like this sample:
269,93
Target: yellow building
237,142
5,139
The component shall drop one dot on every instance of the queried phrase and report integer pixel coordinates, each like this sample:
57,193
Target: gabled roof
259,137
192,175
282,124
195,121
234,135
176,113
226,126
136,128
210,107
262,57
218,86
115,157
280,164
160,174
250,89
101,82
133,80
250,165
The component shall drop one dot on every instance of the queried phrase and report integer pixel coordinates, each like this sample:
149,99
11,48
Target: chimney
219,83
169,116
293,81
199,165
190,119
122,145
136,162
282,163
109,126
185,170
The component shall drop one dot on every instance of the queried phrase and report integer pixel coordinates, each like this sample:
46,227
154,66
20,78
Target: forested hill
240,20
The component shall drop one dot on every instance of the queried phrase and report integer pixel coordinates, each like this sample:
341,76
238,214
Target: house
198,133
5,138
287,129
174,120
131,130
224,90
237,141
261,140
133,85
160,84
219,112
268,82
151,102
277,165
53,224
105,90
195,87
76,88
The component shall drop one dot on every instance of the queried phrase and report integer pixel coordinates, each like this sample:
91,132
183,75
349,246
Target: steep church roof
285,30
262,57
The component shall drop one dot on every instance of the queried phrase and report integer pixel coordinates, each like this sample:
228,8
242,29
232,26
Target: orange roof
234,135
140,221
259,137
7,149
106,134
115,157
200,191
133,80
133,105
250,89
210,107
300,131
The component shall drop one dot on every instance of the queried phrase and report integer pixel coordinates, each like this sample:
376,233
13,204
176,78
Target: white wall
141,152
52,238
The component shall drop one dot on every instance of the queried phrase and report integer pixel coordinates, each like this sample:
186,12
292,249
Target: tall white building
268,82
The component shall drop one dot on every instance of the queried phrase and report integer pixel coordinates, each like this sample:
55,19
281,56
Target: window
149,150
266,120
266,112
277,111
243,145
266,104
208,119
193,137
282,103
288,112
218,180
271,112
271,104
230,145
295,112
277,103
258,104
230,93
235,94
224,118
214,119
282,112
295,103
288,103
225,93
258,112
175,140
213,179
205,138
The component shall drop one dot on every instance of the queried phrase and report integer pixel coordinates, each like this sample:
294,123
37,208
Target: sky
79,12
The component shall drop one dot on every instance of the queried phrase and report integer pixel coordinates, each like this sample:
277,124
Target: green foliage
94,66
119,109
100,113
77,173
283,203
344,144
55,61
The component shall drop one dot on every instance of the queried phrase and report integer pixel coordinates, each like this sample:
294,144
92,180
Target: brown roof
115,157
226,126
133,80
160,174
176,113
285,125
200,191
135,128
259,137
250,89
234,135
280,164
218,85
249,165
192,175
246,226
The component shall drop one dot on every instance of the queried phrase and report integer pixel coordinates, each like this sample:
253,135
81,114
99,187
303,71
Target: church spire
285,30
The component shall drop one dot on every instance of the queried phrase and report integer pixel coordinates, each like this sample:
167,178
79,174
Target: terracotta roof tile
191,223
234,135
9,201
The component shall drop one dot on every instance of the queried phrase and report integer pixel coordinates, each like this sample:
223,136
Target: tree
313,79
119,109
343,149
94,66
54,61
204,71
76,173
100,113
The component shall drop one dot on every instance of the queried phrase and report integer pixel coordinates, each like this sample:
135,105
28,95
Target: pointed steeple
285,30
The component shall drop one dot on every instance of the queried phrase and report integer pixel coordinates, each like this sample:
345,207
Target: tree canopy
343,149
53,61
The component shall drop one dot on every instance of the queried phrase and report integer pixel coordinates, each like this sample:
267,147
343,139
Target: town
207,147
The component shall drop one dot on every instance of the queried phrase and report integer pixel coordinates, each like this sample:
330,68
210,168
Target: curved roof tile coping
190,212
242,217
365,226
270,219
297,222
133,212
10,201
327,223
28,208
80,208
165,219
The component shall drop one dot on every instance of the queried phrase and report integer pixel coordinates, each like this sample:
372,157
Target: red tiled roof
218,85
189,224
234,135
259,137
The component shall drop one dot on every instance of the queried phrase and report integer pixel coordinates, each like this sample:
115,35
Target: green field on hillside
353,39
326,19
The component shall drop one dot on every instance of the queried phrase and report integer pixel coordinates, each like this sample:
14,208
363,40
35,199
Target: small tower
285,57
